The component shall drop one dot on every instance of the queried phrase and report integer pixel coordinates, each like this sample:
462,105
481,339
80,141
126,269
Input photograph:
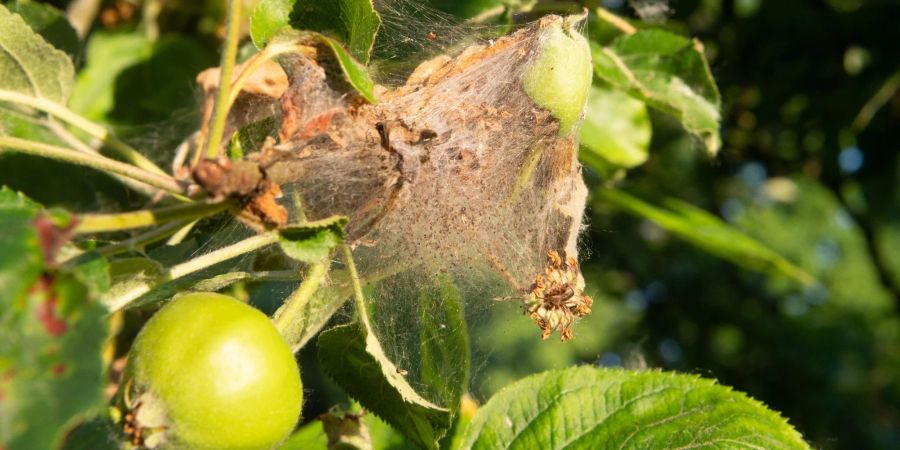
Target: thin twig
182,233
223,254
229,55
150,18
73,141
98,162
876,256
358,296
616,21
141,240
81,14
97,223
133,243
273,50
125,151
194,265
884,94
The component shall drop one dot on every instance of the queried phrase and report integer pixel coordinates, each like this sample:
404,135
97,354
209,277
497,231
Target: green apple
558,77
213,373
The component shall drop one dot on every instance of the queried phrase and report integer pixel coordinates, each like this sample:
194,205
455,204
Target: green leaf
108,54
82,190
385,437
311,242
590,408
708,232
235,147
353,357
355,73
50,23
130,274
93,271
433,335
20,253
268,18
616,130
668,72
51,370
11,200
443,341
252,136
846,272
352,22
322,304
97,434
309,436
29,65
381,435
123,68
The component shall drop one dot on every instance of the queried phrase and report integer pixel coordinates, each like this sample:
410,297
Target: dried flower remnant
346,430
245,182
556,299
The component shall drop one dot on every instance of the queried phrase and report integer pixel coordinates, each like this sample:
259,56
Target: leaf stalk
125,151
229,55
99,162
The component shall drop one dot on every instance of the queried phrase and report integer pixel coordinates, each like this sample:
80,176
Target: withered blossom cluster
556,300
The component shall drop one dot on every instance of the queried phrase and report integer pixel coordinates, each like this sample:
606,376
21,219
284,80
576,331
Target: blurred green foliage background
809,166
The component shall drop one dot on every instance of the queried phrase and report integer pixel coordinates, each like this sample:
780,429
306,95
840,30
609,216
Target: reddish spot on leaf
59,369
46,311
53,324
51,237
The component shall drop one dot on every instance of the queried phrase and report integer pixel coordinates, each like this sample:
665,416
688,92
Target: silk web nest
455,174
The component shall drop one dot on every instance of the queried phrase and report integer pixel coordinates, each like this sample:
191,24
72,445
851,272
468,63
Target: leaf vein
23,69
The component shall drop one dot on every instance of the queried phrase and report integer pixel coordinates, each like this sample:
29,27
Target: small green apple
559,76
213,373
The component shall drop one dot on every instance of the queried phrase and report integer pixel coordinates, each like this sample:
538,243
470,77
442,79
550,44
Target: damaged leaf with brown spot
50,360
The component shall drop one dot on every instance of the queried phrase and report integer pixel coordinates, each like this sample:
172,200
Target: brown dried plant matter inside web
556,299
456,170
